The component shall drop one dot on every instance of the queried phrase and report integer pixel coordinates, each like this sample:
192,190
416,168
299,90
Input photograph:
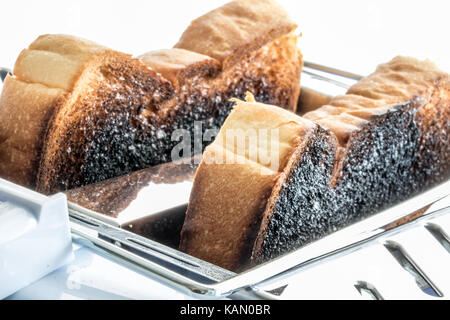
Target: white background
347,34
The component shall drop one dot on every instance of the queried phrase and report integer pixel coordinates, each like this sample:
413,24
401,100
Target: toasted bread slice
383,141
75,113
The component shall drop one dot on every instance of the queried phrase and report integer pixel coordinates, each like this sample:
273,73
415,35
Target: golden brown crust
176,64
67,45
55,60
24,111
392,83
238,27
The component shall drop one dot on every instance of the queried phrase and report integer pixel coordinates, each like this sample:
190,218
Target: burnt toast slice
76,113
383,141
60,93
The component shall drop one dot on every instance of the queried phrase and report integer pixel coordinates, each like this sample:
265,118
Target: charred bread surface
383,141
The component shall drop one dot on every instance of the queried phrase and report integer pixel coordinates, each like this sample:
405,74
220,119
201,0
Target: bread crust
177,65
24,112
393,83
231,31
55,60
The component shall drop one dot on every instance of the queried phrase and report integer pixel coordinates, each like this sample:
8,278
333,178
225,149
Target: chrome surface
333,71
426,276
342,251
